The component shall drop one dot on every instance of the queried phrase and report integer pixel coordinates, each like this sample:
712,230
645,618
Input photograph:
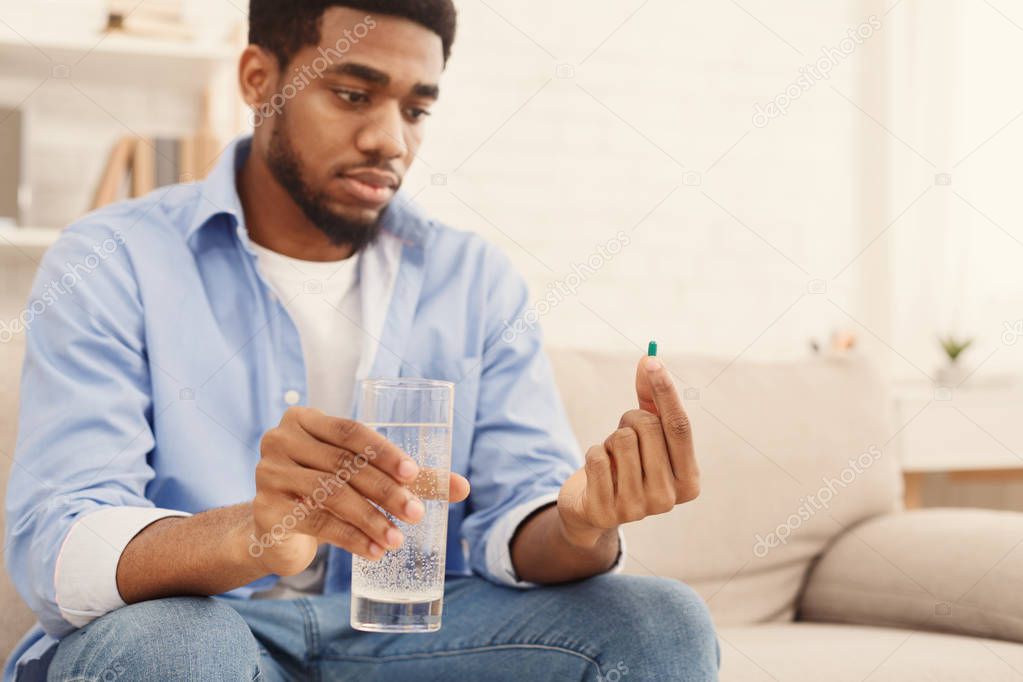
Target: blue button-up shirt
158,356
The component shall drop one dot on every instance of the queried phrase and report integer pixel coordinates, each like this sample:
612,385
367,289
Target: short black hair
286,26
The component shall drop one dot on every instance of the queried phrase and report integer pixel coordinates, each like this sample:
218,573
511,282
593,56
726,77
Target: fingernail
408,469
652,364
375,550
414,509
395,537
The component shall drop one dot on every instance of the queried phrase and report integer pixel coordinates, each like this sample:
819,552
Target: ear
258,73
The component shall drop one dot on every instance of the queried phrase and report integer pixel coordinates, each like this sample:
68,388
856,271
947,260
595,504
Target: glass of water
404,591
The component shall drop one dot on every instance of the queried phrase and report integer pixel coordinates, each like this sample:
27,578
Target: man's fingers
436,484
346,468
320,491
674,419
623,447
662,388
458,488
293,505
644,392
658,476
310,452
599,495
329,528
389,494
360,439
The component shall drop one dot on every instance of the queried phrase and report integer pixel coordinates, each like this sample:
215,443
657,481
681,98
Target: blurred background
757,180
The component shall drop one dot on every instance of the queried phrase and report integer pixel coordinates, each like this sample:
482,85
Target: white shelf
29,242
971,428
113,58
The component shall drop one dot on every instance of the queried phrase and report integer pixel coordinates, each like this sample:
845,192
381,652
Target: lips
370,187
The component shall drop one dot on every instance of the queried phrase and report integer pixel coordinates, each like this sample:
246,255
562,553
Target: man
195,386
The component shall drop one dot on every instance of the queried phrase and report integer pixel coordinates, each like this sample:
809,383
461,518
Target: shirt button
291,397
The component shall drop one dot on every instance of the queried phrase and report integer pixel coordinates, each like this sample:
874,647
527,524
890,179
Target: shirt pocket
465,374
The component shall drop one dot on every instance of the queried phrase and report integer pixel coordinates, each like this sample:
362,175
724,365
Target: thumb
428,482
644,391
459,489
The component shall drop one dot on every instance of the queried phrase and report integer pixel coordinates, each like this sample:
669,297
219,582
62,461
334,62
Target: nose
383,134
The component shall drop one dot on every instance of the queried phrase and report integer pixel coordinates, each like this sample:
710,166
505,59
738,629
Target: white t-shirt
323,301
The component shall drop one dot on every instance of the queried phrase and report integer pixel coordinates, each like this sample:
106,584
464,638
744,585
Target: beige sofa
858,590
810,568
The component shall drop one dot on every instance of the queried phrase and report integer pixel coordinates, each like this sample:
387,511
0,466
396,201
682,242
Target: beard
284,164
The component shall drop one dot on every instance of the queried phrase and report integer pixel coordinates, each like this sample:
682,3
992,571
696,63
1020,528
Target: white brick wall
646,128
957,252
654,113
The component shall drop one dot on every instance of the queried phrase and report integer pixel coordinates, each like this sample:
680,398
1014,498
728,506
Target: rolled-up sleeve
85,574
498,558
523,448
84,428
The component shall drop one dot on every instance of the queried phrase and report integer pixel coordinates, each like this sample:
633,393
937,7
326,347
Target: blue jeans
611,628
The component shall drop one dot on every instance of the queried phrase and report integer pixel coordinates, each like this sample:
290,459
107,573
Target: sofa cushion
957,570
790,455
812,652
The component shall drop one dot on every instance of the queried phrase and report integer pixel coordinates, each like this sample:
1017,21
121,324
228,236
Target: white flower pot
951,375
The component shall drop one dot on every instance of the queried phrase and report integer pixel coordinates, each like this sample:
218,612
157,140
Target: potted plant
952,374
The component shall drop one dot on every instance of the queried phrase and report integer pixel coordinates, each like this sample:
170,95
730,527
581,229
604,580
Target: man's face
347,118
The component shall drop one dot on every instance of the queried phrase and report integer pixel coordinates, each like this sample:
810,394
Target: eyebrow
378,77
425,90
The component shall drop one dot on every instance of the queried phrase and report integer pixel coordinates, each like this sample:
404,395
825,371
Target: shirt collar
218,195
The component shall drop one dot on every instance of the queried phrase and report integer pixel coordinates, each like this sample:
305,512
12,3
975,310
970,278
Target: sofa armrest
954,570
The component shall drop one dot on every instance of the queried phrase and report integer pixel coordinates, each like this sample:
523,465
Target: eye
416,114
352,96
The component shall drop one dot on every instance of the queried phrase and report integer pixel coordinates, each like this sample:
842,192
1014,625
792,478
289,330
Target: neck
276,222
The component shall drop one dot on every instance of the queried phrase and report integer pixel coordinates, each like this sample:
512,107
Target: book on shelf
137,166
151,19
11,148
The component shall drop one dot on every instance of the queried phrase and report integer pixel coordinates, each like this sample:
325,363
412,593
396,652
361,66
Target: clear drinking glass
404,591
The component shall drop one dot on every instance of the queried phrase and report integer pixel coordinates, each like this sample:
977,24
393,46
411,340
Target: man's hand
645,467
314,483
